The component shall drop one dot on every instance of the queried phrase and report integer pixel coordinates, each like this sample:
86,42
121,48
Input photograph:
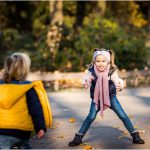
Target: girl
21,106
104,82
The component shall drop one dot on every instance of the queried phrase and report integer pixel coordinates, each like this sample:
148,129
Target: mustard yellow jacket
13,107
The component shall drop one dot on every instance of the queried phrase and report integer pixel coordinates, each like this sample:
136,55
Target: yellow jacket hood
11,93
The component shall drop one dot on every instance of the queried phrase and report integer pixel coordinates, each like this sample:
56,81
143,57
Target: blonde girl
18,104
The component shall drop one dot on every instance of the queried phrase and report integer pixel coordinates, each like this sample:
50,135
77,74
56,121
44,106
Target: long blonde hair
112,58
16,67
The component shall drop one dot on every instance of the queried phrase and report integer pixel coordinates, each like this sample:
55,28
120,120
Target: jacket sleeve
35,110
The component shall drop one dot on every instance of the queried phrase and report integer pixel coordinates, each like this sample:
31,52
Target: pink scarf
101,92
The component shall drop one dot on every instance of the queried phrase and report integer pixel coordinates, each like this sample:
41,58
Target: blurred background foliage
121,26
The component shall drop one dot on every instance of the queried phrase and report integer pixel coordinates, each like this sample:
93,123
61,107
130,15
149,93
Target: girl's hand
87,81
40,133
117,81
86,84
119,86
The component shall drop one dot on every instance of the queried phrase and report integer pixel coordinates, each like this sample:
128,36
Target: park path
106,133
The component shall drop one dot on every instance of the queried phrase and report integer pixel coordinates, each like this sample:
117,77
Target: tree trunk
148,21
55,30
102,7
80,14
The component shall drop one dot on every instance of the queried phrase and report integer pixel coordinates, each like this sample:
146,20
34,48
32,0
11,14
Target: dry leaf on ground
72,120
135,126
125,133
87,147
141,131
61,136
130,116
115,127
120,137
52,138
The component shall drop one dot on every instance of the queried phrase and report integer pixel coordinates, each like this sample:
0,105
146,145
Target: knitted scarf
101,92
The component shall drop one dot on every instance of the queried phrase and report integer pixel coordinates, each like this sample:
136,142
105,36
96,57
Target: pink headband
104,53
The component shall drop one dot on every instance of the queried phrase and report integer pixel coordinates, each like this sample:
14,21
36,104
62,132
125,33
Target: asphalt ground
70,107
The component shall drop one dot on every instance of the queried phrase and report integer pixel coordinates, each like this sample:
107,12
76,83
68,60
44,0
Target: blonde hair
112,58
16,67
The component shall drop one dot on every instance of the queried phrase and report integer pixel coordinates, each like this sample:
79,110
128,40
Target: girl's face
101,62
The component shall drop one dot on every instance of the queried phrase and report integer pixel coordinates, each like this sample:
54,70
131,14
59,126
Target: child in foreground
24,106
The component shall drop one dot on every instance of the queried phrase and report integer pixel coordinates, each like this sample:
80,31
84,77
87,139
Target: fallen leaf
115,127
87,147
53,138
135,126
125,133
61,136
141,131
72,120
120,137
130,116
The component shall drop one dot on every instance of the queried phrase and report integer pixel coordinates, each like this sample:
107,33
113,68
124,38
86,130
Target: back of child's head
112,57
16,67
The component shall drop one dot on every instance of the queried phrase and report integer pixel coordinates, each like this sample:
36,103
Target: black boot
77,140
136,138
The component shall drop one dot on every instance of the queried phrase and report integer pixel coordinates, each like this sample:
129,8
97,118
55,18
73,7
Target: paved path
106,133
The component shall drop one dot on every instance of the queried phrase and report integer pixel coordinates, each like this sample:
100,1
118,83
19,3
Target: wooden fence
59,80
